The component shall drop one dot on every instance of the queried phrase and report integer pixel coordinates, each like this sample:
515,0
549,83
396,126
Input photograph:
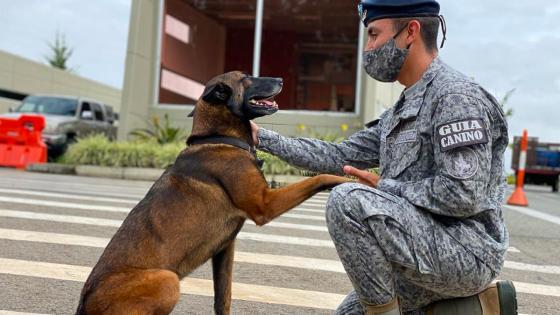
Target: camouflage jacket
440,147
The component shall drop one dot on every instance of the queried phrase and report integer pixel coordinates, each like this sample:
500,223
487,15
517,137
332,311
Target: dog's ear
217,93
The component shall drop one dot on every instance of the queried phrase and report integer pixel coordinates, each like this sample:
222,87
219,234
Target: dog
194,211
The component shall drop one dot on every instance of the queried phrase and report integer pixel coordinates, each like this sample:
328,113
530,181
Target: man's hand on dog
364,177
255,132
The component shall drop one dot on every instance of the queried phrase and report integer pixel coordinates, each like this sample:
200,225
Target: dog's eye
246,81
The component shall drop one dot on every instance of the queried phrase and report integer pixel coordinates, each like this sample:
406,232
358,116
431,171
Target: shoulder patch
461,163
461,133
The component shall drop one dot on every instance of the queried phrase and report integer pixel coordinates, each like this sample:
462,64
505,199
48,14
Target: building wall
6,103
23,76
142,78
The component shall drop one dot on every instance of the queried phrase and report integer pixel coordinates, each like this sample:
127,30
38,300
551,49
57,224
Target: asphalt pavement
54,227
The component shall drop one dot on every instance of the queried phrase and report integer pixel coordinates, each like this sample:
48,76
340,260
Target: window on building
312,45
201,39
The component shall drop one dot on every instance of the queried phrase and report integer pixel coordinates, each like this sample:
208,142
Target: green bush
275,166
98,150
149,152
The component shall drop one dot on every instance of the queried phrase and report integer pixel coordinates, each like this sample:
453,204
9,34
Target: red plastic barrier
20,141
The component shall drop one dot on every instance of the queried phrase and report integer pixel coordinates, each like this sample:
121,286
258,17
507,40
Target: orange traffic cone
518,197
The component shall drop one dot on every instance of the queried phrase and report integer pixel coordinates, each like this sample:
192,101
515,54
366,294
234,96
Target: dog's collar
225,140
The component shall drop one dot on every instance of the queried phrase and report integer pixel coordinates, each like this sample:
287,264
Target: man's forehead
379,25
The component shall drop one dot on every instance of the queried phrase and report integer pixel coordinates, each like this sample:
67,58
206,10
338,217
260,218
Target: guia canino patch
461,133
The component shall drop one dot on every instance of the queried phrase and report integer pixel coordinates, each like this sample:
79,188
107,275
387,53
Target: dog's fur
194,211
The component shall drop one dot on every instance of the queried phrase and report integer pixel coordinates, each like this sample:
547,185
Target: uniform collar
419,88
412,98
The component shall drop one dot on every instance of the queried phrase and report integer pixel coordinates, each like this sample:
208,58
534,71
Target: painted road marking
309,210
253,258
66,196
19,313
532,268
535,214
131,202
240,291
72,239
107,188
80,206
98,242
292,240
265,259
60,204
141,191
117,223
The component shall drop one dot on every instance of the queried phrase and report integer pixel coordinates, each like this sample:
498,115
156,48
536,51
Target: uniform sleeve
462,149
360,150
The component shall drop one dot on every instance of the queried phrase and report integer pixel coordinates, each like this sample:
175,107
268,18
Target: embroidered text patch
461,133
406,136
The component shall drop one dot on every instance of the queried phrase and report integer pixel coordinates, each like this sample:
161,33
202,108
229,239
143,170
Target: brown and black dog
194,211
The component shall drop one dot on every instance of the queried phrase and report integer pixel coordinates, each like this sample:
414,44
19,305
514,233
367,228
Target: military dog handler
428,234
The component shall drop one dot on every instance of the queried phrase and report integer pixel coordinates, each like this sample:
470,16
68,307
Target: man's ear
217,93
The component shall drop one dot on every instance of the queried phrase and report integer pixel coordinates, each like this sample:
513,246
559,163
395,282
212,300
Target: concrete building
175,46
20,77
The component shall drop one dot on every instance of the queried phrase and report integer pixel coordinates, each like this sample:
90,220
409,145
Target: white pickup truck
68,118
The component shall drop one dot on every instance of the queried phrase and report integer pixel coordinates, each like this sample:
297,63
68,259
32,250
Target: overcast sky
504,45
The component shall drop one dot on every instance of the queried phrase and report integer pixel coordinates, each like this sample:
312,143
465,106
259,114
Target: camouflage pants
391,248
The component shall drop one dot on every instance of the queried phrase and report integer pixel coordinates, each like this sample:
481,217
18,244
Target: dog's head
244,96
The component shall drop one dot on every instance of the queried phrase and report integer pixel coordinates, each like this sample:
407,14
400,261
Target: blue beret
371,10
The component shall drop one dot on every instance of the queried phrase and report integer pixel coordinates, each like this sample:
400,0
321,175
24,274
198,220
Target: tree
503,102
60,53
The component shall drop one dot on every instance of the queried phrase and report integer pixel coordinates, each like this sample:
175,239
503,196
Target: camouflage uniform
433,227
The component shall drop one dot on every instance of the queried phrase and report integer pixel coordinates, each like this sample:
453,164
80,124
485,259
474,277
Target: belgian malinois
194,211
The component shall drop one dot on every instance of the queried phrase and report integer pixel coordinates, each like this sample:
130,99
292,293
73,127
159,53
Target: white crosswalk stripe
44,205
72,205
66,196
240,291
19,313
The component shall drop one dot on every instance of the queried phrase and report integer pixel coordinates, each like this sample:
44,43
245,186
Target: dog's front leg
262,204
222,269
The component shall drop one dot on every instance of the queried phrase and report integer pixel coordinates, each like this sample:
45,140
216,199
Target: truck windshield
48,105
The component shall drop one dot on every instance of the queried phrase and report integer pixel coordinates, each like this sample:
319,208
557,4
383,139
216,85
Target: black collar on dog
225,140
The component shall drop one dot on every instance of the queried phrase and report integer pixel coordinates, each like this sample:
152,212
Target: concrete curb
131,173
135,173
52,168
